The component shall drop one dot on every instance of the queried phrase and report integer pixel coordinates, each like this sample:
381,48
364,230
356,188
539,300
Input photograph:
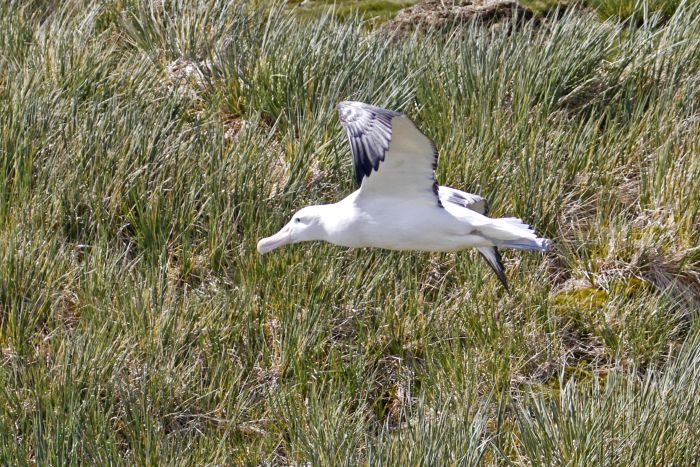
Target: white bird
400,205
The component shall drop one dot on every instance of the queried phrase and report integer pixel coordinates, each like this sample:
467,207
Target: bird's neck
339,221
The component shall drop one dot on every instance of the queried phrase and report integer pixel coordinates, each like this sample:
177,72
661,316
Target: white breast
394,224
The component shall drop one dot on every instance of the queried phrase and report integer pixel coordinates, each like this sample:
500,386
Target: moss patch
585,298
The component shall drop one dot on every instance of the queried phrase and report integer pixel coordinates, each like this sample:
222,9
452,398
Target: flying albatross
399,205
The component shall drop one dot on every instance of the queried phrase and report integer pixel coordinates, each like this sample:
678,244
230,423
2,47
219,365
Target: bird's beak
277,240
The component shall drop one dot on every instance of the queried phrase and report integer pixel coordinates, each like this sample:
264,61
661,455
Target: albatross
399,205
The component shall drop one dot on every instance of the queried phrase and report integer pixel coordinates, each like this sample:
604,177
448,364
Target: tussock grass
145,147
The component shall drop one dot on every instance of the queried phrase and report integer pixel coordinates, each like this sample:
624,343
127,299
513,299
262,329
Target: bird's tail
511,232
535,244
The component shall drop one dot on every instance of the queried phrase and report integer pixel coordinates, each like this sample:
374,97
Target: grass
377,11
146,147
374,11
640,10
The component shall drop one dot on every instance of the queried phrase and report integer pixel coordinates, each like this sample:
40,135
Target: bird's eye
297,220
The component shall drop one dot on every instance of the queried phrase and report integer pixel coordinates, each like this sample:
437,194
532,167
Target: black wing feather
493,257
369,130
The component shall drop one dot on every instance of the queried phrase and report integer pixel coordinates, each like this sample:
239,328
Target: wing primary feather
493,257
365,157
378,150
357,159
372,155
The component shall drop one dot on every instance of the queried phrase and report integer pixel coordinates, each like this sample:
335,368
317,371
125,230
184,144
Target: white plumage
399,205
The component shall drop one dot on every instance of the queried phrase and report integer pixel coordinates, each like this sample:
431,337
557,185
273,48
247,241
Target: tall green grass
145,147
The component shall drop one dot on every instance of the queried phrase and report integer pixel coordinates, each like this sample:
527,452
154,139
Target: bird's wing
391,155
449,195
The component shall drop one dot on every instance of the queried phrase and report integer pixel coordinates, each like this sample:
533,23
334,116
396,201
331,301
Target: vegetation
377,11
638,9
145,147
373,11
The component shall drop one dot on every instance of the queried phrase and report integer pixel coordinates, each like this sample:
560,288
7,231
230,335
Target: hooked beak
268,244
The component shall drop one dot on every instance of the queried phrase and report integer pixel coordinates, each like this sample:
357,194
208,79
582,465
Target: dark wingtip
500,271
498,268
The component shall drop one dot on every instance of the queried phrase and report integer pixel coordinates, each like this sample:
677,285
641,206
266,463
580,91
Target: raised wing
462,198
391,155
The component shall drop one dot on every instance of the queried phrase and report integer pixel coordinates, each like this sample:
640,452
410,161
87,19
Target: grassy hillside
145,149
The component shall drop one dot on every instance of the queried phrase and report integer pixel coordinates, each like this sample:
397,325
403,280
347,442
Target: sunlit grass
144,149
640,10
377,11
374,11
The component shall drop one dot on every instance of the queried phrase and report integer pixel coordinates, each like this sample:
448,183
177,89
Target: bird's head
305,225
